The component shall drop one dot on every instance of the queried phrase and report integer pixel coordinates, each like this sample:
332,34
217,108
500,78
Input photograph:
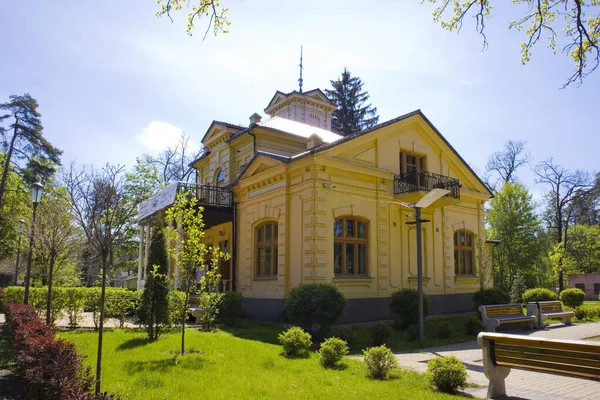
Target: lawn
222,366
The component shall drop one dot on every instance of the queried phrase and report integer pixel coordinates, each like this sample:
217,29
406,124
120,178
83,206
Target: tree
513,221
505,163
209,8
540,18
23,140
584,248
154,311
565,187
172,165
186,224
103,203
586,206
17,205
353,114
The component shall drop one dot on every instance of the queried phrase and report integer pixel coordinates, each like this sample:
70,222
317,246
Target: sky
114,81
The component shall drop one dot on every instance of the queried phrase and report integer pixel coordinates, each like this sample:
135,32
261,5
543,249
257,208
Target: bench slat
549,352
561,360
503,310
534,342
587,372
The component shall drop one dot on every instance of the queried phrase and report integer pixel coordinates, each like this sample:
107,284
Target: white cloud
159,135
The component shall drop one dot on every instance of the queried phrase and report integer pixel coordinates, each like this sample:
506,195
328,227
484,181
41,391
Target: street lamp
36,196
21,228
425,202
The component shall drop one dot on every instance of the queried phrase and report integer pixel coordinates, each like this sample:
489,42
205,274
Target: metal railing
208,195
418,180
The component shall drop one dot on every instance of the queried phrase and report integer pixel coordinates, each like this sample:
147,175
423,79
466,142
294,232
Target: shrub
342,332
380,332
446,373
539,294
332,352
294,341
153,311
572,297
412,332
404,306
314,303
517,289
444,330
12,294
74,303
175,305
230,308
92,303
473,325
489,297
581,313
380,361
119,304
209,303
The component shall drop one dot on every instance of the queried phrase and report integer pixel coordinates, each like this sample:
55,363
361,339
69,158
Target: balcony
208,195
411,186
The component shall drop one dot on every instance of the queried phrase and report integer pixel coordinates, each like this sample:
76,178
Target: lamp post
36,195
425,202
21,228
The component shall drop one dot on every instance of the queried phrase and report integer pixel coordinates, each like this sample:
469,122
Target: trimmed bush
341,332
380,332
294,341
74,304
489,297
314,303
379,361
539,294
446,374
444,330
404,306
582,314
230,308
572,297
412,332
12,295
332,352
473,325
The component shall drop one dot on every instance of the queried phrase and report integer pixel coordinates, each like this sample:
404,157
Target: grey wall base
361,310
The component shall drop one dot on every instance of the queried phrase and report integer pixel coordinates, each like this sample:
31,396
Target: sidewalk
519,384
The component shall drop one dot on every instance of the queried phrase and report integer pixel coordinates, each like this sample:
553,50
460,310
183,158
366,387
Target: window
411,162
266,250
463,252
580,286
597,289
350,240
220,178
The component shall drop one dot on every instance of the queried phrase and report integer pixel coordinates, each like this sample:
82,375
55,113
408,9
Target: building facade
295,203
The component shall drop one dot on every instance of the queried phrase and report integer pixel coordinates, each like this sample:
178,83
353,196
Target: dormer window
220,178
410,162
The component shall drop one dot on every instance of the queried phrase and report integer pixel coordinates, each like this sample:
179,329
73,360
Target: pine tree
23,141
353,114
153,311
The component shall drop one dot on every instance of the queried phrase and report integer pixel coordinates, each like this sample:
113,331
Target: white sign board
161,199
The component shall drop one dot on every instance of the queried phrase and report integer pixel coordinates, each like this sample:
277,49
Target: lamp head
36,192
21,225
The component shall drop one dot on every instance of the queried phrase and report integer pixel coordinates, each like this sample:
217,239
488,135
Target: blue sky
114,82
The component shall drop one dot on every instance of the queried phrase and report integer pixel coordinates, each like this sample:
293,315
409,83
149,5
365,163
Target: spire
300,80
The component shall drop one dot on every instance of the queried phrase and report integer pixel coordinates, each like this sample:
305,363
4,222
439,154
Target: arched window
266,250
463,252
350,243
220,178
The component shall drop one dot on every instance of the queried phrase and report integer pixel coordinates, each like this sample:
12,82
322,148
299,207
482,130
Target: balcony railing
418,180
208,195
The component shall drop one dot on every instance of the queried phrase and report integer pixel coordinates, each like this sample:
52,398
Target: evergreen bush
572,298
446,373
404,307
342,332
379,361
412,332
295,341
230,308
473,325
380,332
332,352
517,289
444,330
314,303
539,294
490,297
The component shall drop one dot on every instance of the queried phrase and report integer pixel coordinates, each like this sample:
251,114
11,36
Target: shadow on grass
188,361
261,332
133,343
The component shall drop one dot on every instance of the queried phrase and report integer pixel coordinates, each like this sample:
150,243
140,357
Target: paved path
519,384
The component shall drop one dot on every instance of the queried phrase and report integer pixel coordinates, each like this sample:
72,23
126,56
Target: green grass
220,365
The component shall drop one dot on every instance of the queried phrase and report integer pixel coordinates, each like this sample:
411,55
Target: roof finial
300,80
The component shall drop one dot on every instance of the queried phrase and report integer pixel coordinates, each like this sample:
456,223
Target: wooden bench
544,310
495,315
501,352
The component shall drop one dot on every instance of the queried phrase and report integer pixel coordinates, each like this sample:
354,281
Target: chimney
255,118
314,140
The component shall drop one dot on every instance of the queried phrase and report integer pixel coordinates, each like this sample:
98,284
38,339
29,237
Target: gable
218,132
258,164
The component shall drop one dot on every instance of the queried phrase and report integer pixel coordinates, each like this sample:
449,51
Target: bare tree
172,165
565,187
505,163
104,204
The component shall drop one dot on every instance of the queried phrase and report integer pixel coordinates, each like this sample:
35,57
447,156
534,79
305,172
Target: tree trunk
49,318
7,163
184,313
101,322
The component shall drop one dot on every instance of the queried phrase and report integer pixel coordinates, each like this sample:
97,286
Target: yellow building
296,203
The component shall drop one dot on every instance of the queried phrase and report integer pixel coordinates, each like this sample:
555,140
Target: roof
277,157
226,124
299,129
